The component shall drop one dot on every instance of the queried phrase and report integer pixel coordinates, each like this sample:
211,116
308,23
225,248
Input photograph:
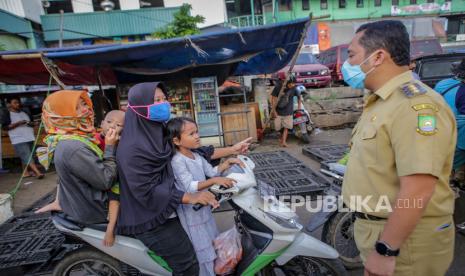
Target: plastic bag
228,251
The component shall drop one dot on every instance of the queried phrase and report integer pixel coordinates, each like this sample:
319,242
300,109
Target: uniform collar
386,90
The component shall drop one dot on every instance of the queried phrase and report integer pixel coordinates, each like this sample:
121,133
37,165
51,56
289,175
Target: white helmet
301,89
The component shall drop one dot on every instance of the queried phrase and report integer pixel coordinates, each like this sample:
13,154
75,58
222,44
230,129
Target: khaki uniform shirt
406,128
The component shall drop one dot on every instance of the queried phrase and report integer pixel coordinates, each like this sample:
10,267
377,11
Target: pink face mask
158,112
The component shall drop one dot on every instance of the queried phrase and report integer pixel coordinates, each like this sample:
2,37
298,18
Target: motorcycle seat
66,222
99,226
69,223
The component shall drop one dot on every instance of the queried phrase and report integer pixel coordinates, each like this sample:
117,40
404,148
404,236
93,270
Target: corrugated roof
15,24
106,24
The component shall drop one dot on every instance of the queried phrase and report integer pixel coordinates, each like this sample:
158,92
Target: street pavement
35,189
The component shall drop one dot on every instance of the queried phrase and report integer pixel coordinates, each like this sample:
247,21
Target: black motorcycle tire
303,265
88,256
332,229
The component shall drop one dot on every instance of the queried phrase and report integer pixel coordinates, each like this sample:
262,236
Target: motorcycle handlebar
199,206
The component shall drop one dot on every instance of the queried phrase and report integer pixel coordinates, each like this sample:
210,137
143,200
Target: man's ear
380,57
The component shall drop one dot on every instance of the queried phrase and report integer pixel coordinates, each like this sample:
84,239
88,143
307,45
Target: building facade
20,24
110,21
338,19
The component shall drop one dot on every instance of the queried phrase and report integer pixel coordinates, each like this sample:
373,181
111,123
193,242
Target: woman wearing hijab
148,193
85,173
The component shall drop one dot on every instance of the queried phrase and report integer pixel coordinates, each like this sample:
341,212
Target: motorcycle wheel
305,138
302,265
338,232
88,261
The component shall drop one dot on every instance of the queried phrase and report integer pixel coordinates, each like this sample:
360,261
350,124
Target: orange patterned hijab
63,113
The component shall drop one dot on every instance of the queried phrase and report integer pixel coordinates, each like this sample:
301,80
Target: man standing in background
21,132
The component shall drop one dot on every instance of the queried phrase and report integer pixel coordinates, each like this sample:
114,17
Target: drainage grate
28,224
33,250
330,153
28,239
295,180
273,159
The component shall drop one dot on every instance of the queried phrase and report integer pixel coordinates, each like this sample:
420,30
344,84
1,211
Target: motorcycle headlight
291,223
324,72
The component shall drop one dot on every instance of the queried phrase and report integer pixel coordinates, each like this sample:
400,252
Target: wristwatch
385,250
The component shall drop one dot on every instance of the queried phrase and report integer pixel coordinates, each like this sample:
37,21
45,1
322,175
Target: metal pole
60,43
274,10
252,9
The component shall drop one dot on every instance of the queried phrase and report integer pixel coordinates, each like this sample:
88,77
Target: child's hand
224,181
109,239
242,147
228,163
112,137
204,198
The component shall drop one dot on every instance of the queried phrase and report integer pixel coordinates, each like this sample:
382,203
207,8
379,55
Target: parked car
333,58
425,47
433,68
308,71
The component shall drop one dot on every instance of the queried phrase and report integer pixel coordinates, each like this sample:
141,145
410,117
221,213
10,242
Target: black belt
367,216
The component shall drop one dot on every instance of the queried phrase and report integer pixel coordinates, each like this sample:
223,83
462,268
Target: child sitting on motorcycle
191,171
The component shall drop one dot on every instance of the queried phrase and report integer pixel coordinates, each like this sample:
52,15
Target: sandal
40,176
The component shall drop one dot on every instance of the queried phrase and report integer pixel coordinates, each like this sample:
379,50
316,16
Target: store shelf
207,112
180,102
210,100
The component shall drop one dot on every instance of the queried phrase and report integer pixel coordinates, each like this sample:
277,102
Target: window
324,4
359,3
395,2
344,53
306,59
429,1
305,5
56,6
98,7
285,5
151,4
377,3
413,2
342,4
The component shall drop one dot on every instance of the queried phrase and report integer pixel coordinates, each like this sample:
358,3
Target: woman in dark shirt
148,194
85,173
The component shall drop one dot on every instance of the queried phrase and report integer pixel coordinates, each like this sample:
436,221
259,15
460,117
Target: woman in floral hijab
85,173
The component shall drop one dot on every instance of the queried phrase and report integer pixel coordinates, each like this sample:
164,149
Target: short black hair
390,35
9,100
175,126
458,69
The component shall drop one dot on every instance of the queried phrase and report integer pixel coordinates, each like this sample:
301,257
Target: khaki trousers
428,251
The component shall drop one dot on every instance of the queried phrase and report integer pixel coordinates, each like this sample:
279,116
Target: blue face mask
158,112
353,74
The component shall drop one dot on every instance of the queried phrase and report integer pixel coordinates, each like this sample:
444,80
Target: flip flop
40,176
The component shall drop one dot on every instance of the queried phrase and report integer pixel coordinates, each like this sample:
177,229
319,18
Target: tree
182,25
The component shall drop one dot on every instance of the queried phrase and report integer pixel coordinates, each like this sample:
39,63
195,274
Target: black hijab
148,193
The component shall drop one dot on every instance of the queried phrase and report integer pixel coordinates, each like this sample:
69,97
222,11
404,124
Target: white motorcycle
271,236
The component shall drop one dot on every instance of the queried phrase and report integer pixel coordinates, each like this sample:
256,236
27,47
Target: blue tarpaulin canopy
243,51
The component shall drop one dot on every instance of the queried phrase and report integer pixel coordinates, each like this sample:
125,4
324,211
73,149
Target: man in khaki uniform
400,160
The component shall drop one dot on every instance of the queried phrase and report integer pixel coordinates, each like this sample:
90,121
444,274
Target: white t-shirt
23,133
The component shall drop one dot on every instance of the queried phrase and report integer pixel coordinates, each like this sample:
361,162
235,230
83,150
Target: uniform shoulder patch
426,124
421,106
412,89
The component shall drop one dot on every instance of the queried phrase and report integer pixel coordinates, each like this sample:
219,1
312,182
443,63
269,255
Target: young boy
113,120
